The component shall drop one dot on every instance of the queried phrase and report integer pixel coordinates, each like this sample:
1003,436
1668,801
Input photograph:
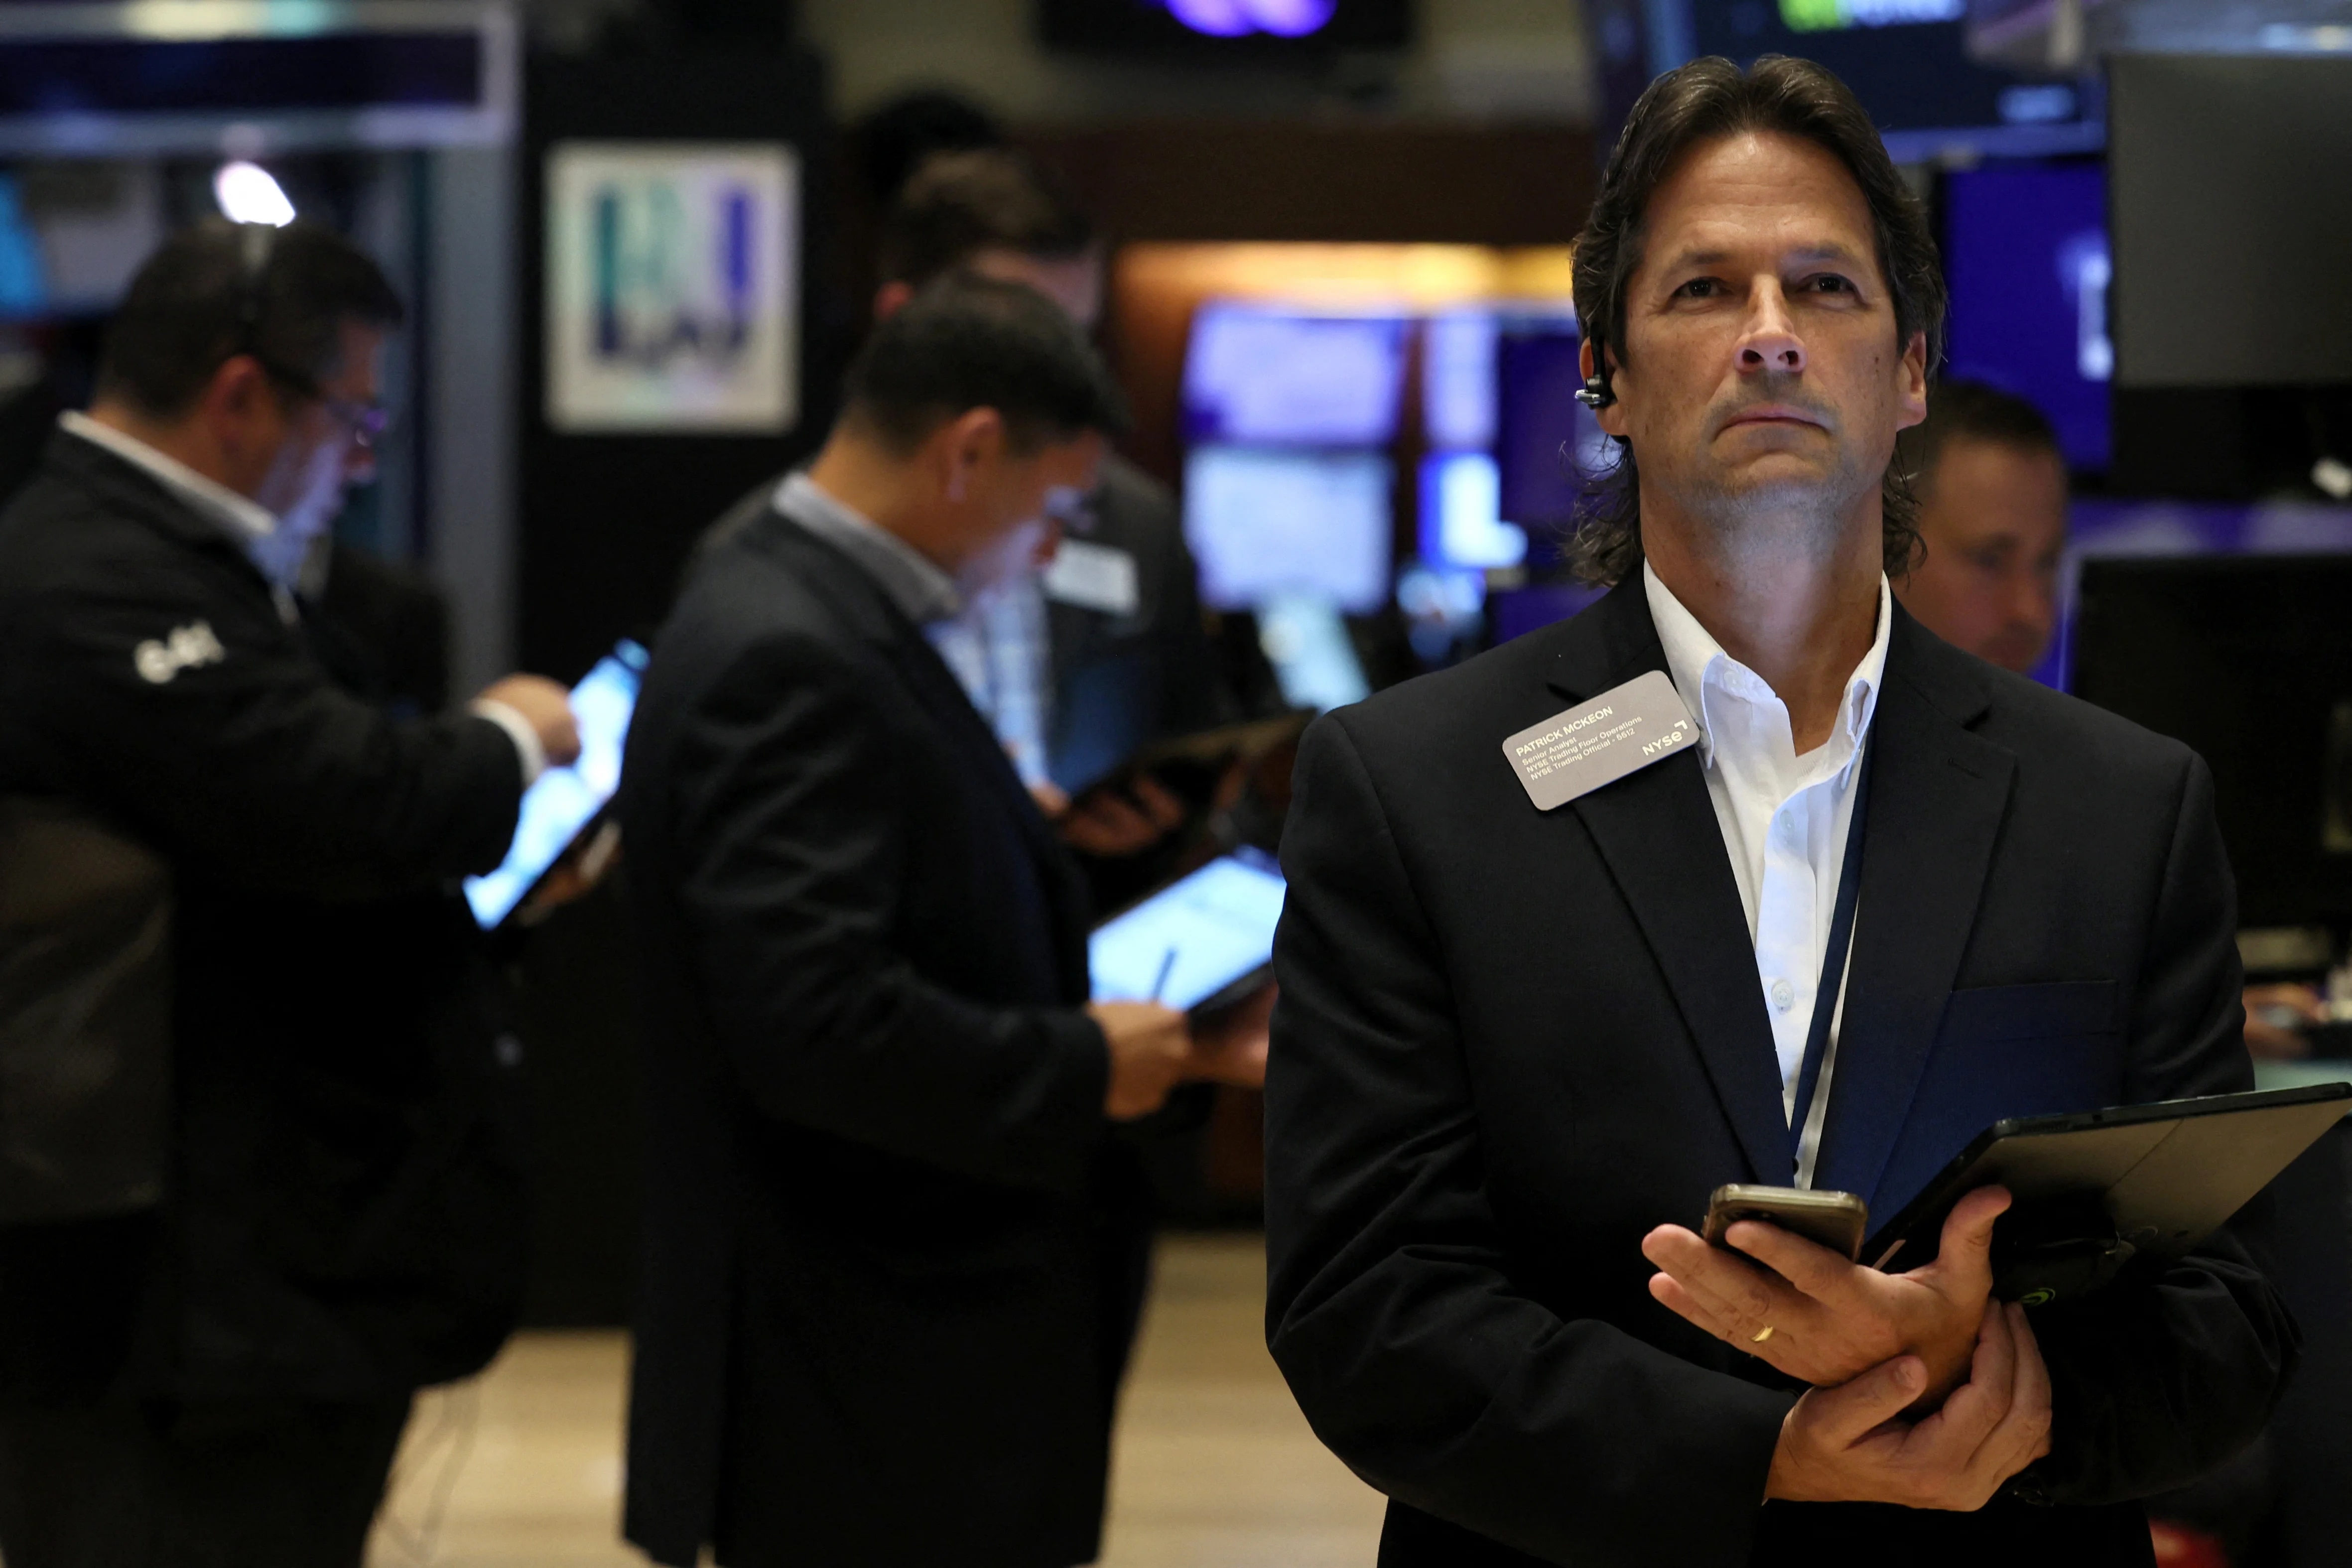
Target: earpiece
1595,393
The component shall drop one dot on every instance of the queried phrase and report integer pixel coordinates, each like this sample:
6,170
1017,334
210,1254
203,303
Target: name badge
1093,578
1620,731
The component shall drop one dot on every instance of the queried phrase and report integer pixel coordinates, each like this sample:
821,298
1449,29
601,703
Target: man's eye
1829,283
1700,289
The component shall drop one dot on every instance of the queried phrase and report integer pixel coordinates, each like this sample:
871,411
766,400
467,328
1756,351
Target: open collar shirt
1784,820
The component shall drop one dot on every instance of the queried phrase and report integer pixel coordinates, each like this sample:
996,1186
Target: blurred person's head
998,213
250,354
890,142
1760,300
970,408
1991,485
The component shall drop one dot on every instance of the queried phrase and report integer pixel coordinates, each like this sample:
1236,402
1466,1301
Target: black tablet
563,803
2097,1188
1203,940
1190,765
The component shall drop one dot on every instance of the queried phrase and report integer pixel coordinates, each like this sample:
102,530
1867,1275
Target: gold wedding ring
1761,1335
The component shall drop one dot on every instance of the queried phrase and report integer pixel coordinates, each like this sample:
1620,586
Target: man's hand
1151,1052
546,708
1844,1444
1116,821
1830,1320
1230,1047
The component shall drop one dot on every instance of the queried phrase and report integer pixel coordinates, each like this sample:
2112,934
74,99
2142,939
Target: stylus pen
1166,964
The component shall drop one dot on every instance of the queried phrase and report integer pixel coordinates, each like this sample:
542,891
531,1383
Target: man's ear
1911,405
970,442
1610,417
890,296
240,408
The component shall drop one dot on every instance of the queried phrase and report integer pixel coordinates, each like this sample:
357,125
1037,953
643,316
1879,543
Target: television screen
1207,28
2025,256
1273,375
1461,514
1907,60
1264,521
2232,225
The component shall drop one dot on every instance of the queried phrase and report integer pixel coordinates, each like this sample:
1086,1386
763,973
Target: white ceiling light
247,193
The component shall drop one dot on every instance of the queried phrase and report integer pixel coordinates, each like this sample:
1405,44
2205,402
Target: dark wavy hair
1703,102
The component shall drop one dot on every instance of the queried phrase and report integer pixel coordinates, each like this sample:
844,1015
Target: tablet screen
563,801
1192,938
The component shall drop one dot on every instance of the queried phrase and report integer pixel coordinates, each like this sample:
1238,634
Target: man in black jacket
887,1293
339,1225
1527,1023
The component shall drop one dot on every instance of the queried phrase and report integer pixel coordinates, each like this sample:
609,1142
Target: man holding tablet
886,1299
1741,877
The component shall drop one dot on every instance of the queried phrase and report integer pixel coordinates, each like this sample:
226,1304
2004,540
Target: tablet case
2096,1189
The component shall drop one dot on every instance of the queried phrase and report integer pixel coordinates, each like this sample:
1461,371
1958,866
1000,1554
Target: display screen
563,801
2025,256
1193,938
1314,659
1205,29
1274,375
1263,522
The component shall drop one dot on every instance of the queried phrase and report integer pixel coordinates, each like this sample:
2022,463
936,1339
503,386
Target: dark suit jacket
1120,681
1511,1042
344,1214
884,1303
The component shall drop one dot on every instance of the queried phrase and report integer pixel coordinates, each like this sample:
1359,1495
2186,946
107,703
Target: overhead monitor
1276,375
1200,30
2249,661
1264,521
1909,62
2025,257
2231,222
1461,514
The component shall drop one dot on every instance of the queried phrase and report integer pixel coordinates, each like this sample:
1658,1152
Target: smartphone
1835,1220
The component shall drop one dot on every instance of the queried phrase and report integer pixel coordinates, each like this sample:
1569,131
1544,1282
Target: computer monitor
2025,257
1267,520
1461,514
2249,661
1273,375
1909,62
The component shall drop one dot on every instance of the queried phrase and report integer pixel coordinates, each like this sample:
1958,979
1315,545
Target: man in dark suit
1519,1039
223,1377
1078,666
890,1234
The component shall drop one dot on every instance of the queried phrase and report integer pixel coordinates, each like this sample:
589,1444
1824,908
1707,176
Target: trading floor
1216,1468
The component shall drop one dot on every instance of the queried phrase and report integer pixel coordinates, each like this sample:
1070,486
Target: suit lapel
1657,831
1938,794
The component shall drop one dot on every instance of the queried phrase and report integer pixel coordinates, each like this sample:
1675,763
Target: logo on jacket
158,659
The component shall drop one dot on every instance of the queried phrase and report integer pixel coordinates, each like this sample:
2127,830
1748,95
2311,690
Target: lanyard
1834,959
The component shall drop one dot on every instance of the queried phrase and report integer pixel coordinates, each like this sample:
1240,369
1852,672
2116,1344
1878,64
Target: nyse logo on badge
671,287
159,660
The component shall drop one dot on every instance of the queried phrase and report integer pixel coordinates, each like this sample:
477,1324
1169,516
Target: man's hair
1970,411
957,205
217,290
964,343
1703,102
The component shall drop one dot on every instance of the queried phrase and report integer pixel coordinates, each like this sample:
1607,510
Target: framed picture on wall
673,287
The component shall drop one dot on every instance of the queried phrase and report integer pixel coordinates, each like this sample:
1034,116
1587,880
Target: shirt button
1784,995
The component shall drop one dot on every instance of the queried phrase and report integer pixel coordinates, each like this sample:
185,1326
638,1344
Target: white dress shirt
252,527
1784,820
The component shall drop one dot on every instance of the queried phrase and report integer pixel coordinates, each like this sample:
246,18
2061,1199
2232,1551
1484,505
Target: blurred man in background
893,1249
223,1379
1991,485
1104,650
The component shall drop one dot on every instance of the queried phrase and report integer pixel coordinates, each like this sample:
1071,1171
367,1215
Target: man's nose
1771,344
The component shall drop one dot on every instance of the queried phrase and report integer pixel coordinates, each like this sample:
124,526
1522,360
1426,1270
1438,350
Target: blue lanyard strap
1825,994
